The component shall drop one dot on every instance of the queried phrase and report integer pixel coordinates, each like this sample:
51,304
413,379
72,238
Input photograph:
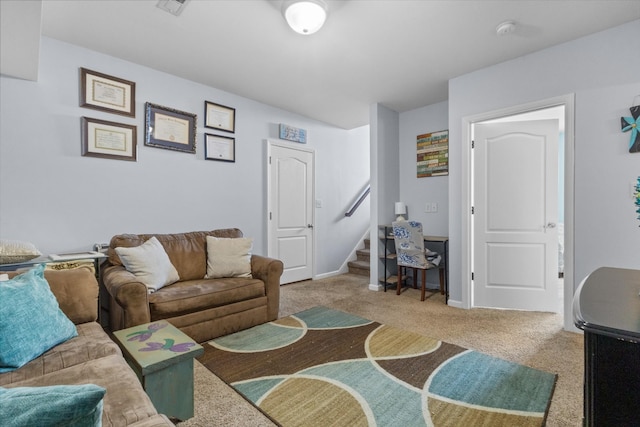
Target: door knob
551,225
309,225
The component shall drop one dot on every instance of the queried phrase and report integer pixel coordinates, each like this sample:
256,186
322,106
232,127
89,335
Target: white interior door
515,249
290,198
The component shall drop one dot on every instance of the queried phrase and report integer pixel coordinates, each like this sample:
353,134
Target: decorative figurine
631,124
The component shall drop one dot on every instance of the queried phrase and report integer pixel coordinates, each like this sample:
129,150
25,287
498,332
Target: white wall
53,197
385,182
416,192
604,76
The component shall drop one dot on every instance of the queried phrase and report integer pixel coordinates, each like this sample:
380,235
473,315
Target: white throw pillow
16,251
150,263
228,257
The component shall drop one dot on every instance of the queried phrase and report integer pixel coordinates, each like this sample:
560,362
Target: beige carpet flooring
530,338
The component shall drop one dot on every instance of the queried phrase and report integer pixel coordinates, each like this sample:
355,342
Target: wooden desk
607,307
444,240
387,236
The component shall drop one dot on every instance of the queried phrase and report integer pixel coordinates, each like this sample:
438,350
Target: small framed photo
169,128
218,147
219,117
293,134
107,93
108,140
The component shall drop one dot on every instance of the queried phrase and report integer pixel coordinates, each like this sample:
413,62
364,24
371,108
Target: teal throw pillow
31,321
60,406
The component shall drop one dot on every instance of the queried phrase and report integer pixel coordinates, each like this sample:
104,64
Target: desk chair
411,253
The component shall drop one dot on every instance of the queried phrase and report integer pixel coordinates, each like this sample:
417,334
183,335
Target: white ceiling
399,53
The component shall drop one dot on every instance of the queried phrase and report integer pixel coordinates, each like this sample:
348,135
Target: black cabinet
607,307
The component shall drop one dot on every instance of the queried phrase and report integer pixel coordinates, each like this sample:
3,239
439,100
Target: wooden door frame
568,101
288,145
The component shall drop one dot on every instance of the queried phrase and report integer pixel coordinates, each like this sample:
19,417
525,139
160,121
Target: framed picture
433,154
218,147
219,117
107,93
108,140
169,128
293,134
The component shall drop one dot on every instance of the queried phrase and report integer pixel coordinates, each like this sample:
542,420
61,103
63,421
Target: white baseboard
376,288
454,303
329,274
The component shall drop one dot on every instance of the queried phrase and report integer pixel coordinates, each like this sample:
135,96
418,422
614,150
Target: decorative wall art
293,134
107,93
218,147
433,154
632,124
108,140
219,117
169,128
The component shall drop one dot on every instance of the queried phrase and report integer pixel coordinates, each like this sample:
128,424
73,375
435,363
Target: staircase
361,265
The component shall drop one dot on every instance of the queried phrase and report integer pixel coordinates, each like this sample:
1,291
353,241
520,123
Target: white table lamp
401,209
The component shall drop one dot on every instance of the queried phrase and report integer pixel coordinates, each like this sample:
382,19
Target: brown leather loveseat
202,308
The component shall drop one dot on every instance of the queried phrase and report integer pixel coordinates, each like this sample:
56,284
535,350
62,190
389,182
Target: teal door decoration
631,124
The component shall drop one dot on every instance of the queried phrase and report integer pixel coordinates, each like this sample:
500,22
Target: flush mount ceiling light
506,27
305,16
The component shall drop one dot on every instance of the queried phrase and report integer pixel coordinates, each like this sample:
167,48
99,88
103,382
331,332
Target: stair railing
358,202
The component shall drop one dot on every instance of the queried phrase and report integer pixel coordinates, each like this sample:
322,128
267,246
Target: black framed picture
219,117
170,128
218,147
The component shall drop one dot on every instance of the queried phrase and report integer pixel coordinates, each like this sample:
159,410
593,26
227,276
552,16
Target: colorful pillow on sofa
150,263
61,405
31,321
228,257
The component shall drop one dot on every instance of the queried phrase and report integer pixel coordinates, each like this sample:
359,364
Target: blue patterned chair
411,253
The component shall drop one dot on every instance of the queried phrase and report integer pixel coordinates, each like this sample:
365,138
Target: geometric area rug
323,367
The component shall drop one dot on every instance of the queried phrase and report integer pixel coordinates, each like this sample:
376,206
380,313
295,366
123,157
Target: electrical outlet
427,207
434,207
318,203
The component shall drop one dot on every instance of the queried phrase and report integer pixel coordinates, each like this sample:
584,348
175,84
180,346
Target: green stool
162,357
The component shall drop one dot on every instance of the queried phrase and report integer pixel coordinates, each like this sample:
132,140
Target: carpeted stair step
361,265
363,255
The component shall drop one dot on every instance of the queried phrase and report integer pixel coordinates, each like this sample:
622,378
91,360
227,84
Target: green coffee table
162,357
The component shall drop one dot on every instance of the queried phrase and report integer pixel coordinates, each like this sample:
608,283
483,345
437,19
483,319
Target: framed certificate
218,147
169,128
108,140
219,117
107,93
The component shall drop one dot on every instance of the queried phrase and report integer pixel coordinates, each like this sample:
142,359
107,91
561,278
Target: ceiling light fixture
305,16
506,27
